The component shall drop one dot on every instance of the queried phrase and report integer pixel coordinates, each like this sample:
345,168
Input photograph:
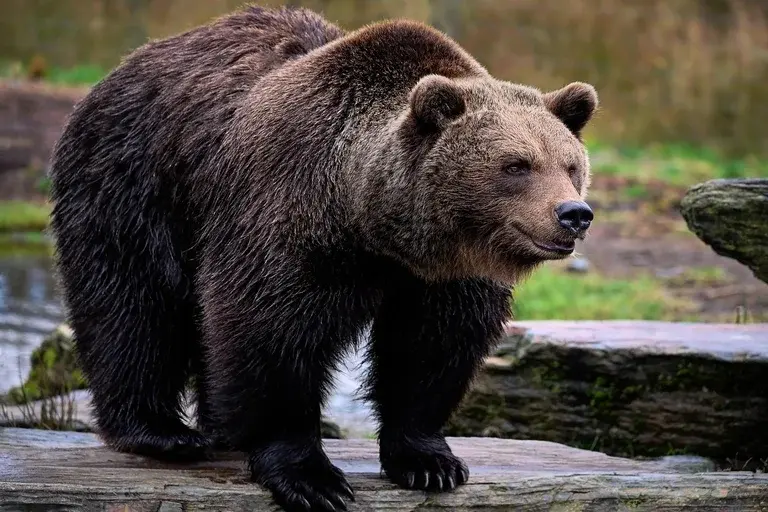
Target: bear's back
171,101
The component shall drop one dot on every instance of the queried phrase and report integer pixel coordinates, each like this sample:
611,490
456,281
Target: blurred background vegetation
688,71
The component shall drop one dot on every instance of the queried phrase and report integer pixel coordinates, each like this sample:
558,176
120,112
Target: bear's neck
382,162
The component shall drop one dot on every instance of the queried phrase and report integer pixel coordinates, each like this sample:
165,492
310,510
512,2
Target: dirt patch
649,236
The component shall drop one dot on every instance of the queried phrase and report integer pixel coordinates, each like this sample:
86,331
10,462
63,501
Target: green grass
82,75
23,216
553,294
671,163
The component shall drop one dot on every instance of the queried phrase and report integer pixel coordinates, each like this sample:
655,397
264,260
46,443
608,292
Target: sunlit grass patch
674,164
551,293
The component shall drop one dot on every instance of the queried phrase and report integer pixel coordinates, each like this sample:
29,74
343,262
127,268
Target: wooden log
628,389
43,470
731,216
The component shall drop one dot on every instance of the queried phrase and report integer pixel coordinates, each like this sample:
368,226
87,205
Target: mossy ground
53,370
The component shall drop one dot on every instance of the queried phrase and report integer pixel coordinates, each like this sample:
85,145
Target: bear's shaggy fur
237,203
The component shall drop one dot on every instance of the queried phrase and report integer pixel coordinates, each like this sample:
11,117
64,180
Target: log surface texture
65,471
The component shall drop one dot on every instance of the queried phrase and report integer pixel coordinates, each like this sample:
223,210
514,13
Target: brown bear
237,203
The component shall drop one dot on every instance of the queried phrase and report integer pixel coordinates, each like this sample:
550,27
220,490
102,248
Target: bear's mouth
558,248
554,250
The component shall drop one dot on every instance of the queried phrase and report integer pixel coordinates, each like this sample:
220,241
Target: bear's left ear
574,105
436,101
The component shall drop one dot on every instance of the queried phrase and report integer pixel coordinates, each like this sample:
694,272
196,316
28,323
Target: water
30,309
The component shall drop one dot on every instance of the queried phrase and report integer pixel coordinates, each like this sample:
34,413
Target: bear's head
505,167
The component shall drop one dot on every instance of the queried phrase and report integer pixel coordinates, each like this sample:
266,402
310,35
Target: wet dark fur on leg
428,341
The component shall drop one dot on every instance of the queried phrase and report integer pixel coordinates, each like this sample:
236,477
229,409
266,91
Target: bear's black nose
575,216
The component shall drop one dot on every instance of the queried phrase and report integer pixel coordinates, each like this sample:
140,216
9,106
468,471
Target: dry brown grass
688,71
666,71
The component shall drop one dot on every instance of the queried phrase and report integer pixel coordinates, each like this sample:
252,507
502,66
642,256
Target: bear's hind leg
428,340
204,414
137,364
129,307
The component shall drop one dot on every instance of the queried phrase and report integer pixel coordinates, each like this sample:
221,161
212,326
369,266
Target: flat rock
628,388
44,470
728,342
731,216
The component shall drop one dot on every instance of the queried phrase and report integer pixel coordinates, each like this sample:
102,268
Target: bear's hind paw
183,446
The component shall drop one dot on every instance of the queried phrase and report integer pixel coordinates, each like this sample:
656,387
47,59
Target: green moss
601,398
548,376
481,414
53,370
633,503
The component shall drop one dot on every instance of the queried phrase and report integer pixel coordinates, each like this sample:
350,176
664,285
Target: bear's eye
517,167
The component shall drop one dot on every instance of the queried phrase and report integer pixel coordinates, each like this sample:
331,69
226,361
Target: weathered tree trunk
731,216
628,389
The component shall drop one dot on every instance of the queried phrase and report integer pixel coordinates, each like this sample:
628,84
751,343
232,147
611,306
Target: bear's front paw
422,462
300,478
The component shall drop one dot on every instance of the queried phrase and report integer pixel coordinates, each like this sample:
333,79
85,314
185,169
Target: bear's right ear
574,105
436,101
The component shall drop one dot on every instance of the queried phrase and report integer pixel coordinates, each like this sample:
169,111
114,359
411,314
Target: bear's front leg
428,340
271,346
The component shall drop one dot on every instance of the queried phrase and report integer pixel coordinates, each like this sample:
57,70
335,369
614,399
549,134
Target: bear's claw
301,481
427,465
